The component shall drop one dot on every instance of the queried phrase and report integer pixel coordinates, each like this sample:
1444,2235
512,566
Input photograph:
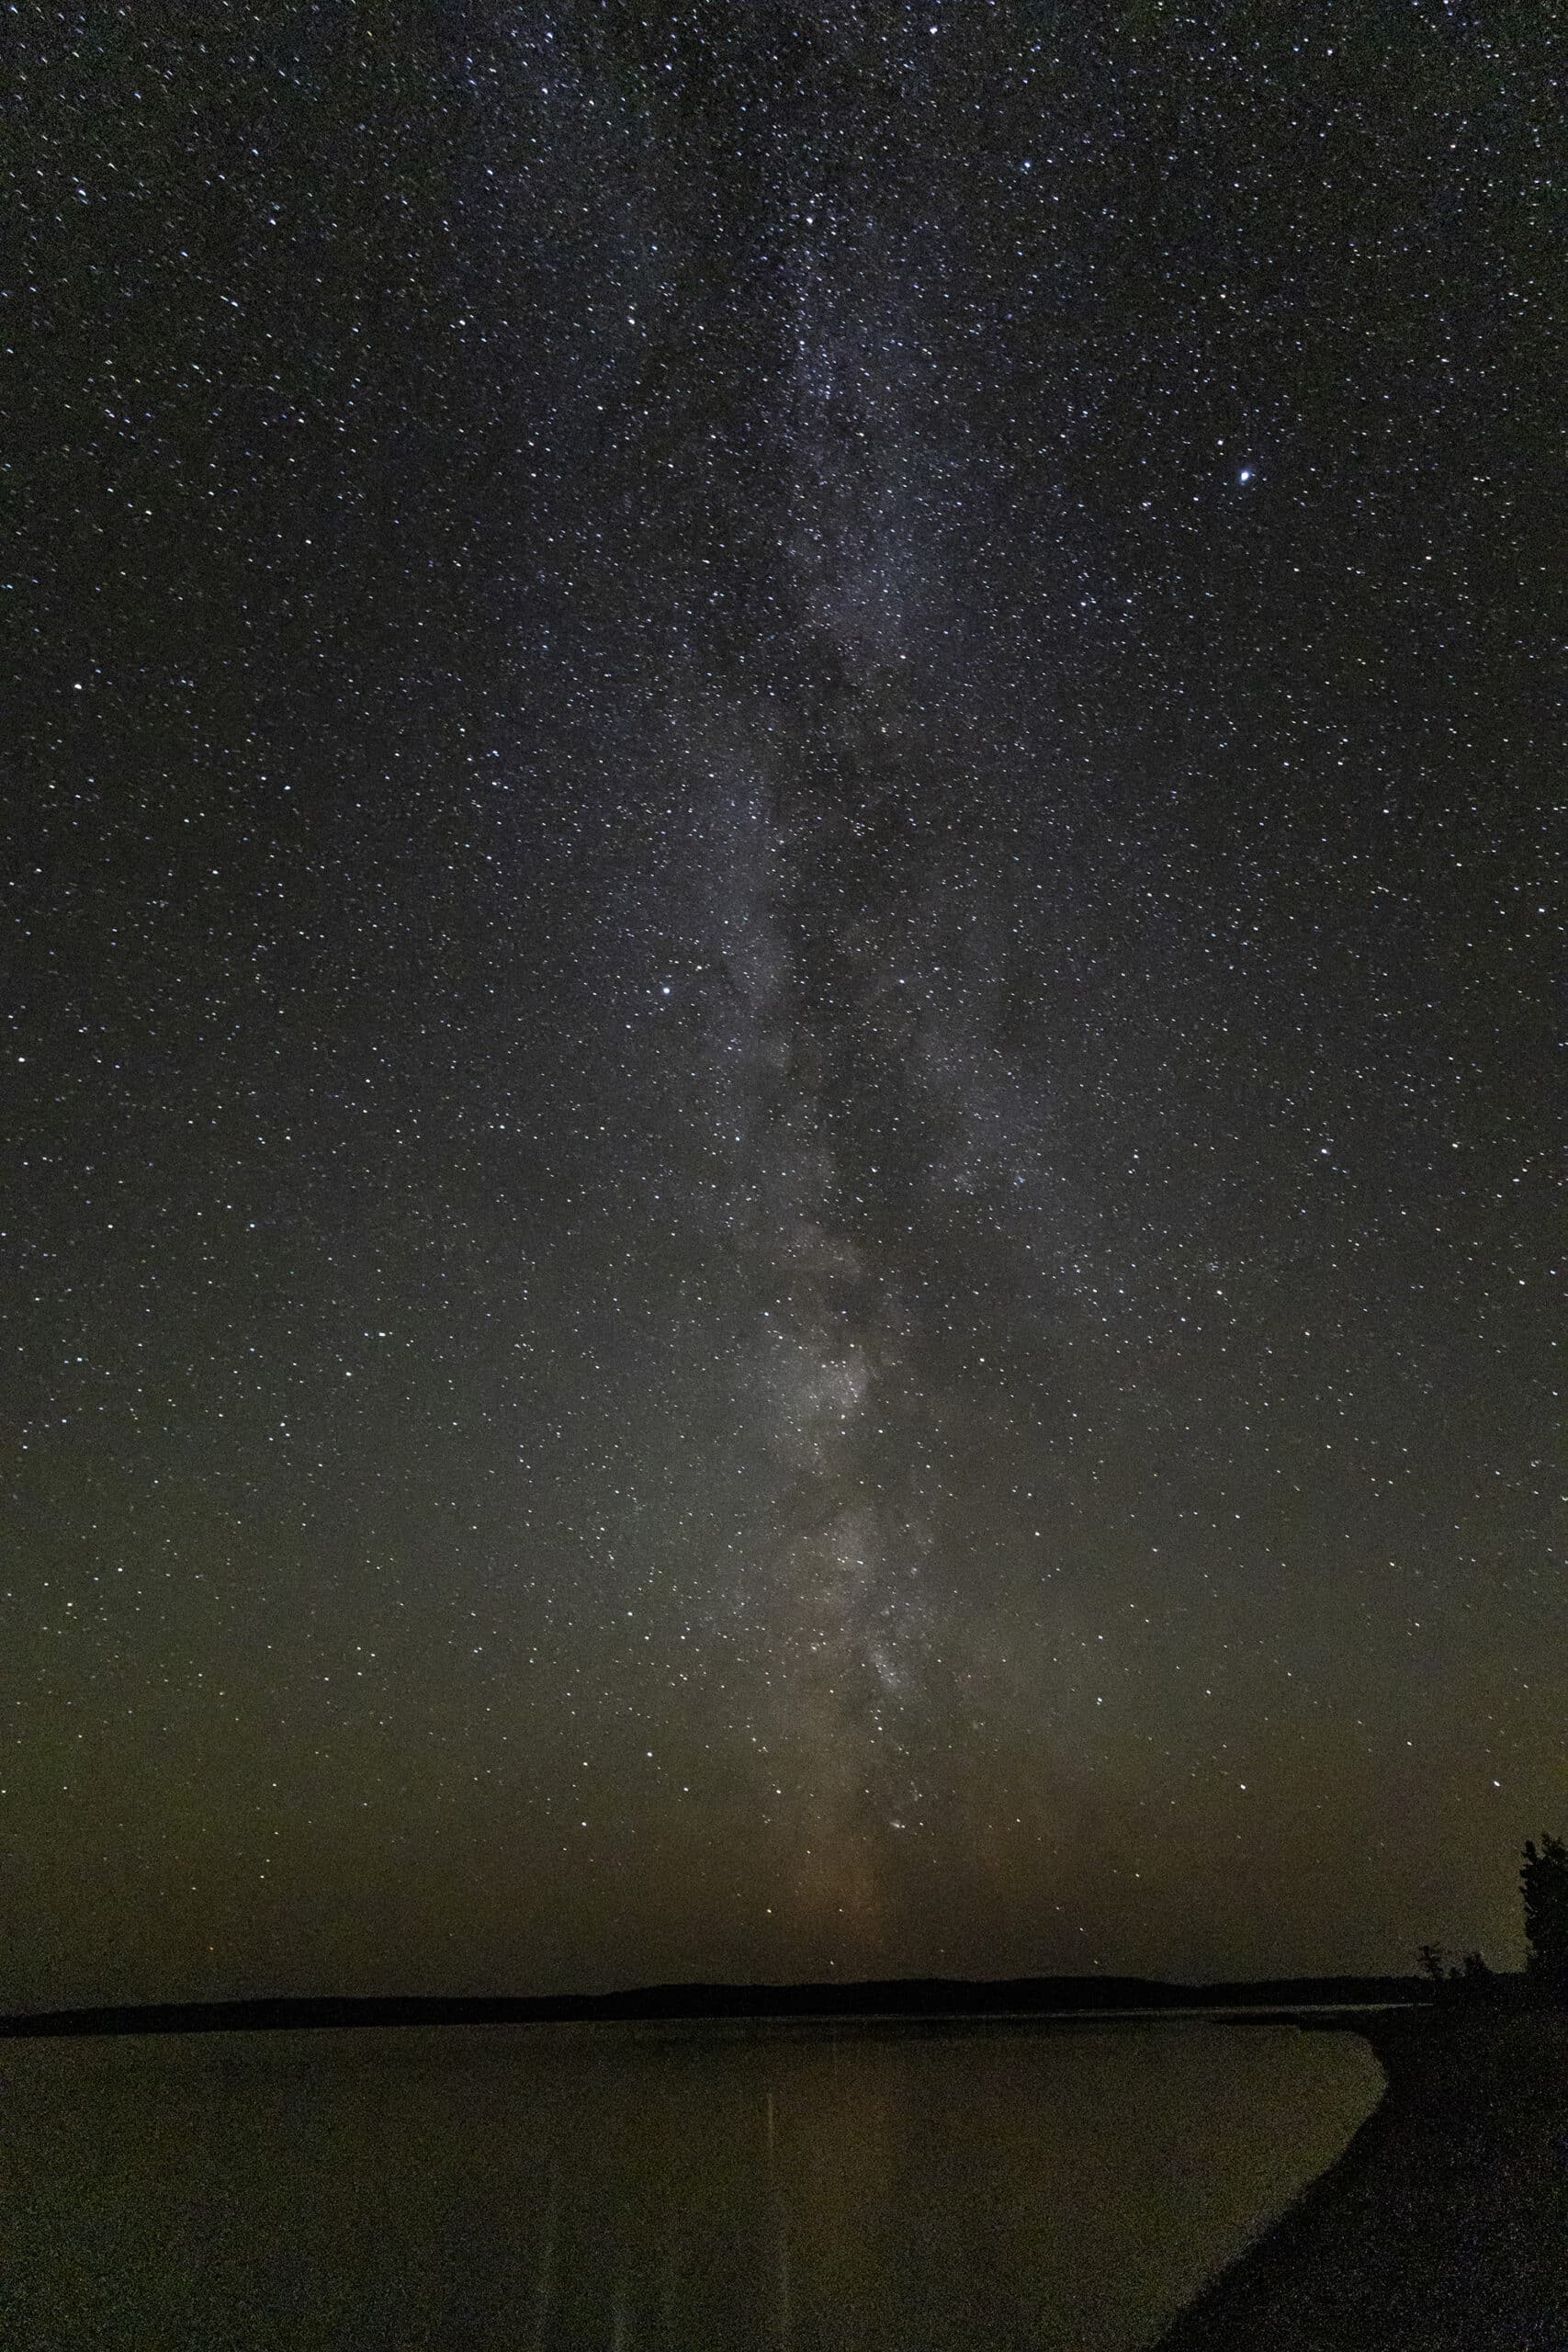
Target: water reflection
903,2191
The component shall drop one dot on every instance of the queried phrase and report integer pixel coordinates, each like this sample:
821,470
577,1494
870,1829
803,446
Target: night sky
782,951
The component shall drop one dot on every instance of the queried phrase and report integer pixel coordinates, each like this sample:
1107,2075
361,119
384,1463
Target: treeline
1543,1888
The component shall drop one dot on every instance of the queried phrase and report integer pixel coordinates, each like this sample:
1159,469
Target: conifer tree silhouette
1543,1879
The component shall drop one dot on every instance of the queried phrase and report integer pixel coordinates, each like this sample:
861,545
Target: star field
783,915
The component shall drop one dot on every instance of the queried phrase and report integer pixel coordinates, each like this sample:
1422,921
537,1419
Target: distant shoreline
930,1999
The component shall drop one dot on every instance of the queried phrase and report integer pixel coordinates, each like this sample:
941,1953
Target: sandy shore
1445,2223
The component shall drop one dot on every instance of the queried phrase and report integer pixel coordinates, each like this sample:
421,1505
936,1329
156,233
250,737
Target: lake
596,2189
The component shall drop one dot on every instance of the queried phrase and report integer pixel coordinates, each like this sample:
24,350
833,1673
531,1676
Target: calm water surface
683,2187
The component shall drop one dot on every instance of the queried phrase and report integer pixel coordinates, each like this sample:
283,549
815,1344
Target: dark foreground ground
1445,2223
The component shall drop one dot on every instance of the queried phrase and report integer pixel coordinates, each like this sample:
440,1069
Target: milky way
781,874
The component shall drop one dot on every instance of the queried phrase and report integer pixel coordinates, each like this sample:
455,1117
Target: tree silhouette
1468,1981
1434,1964
1543,1879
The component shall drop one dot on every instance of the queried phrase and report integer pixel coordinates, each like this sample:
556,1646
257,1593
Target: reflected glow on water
679,2188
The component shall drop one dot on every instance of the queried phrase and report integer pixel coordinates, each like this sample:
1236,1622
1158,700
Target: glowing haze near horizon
779,1039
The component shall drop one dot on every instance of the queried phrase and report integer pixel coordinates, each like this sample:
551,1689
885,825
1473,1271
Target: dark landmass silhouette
1442,2228
907,1998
